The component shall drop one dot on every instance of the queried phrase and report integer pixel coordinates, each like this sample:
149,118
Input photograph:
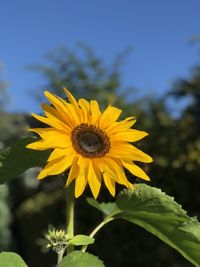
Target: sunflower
91,144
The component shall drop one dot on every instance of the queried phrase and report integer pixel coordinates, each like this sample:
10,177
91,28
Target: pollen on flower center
90,141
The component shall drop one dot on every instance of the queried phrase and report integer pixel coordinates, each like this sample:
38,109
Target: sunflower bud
57,239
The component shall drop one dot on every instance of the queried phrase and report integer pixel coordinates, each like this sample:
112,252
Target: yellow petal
121,175
124,125
130,135
71,111
114,169
52,138
80,184
76,115
61,152
74,172
82,163
54,100
135,170
44,144
94,179
95,111
131,186
81,180
51,133
109,115
85,108
109,182
74,107
40,145
71,99
53,123
61,108
56,166
128,152
55,115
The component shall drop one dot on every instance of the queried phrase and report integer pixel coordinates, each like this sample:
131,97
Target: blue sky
159,32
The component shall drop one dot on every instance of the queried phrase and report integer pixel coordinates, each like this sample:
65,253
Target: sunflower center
90,141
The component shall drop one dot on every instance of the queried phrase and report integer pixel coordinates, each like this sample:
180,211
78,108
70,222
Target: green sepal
10,259
81,259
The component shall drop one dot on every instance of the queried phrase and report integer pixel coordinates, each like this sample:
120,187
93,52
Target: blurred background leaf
10,259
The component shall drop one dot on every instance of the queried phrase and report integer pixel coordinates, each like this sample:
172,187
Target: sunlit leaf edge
81,259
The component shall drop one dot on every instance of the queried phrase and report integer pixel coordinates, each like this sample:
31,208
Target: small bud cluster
57,239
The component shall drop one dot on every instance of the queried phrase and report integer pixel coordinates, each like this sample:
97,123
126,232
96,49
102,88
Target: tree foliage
85,74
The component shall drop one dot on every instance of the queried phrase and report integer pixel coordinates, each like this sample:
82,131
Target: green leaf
106,208
17,159
10,259
159,214
81,240
81,259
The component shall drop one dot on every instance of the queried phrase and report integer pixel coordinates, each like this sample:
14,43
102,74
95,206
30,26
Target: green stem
60,256
70,214
96,229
